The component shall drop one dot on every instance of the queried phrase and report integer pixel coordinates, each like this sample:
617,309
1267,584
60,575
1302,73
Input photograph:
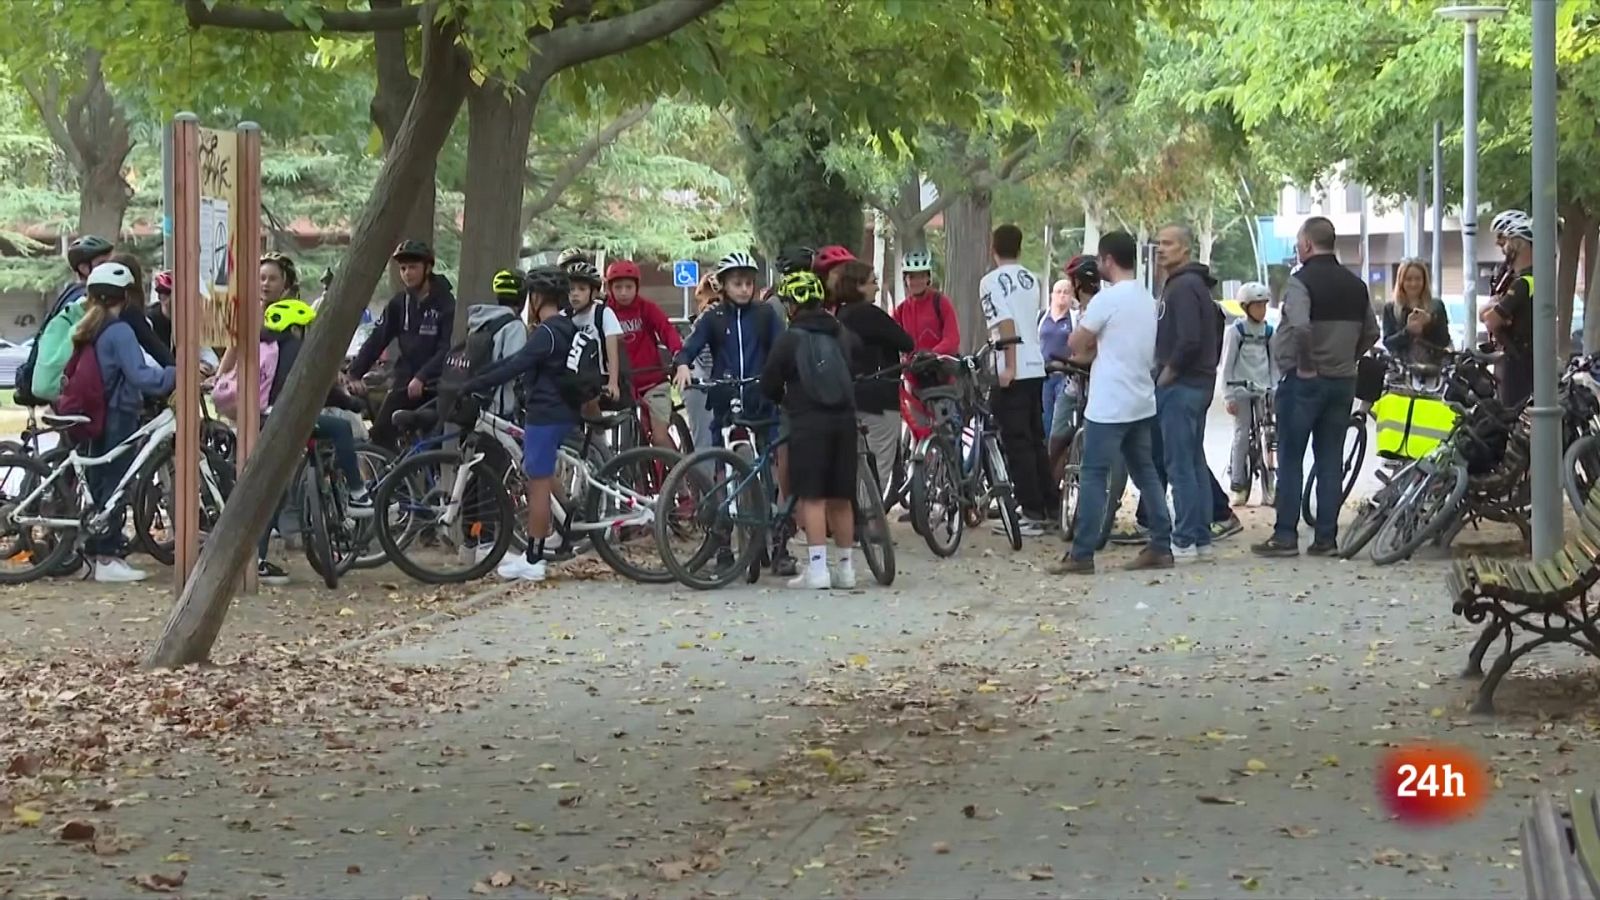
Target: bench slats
1586,836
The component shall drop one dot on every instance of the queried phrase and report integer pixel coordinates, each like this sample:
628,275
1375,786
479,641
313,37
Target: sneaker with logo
1025,527
271,575
115,571
517,568
810,579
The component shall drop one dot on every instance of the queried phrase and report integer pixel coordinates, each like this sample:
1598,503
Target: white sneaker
810,579
1025,527
1241,497
1184,556
115,571
359,507
843,577
517,568
1207,552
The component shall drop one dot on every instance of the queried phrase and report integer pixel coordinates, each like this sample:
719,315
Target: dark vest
1337,294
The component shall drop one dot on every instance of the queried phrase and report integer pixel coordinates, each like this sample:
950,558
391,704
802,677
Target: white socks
844,557
818,557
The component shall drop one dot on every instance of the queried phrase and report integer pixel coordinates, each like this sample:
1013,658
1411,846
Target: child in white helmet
1248,373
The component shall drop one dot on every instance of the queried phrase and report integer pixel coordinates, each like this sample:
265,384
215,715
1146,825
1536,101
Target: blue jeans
338,432
103,479
1181,409
1052,392
1102,445
1315,411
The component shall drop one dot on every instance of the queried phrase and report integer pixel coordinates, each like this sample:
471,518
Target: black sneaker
1272,546
1322,548
269,574
1226,528
783,565
1129,537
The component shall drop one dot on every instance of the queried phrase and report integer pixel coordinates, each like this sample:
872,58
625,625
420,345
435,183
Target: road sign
685,273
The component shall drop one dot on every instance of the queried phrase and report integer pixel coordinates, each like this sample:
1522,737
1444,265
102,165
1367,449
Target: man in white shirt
1118,331
1009,296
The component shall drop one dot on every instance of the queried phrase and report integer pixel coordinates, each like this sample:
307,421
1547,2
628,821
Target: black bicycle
1262,457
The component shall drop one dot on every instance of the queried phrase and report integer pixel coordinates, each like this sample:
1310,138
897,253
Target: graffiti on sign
218,164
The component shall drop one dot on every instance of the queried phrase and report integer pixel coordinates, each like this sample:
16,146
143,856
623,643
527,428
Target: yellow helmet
286,314
801,287
507,283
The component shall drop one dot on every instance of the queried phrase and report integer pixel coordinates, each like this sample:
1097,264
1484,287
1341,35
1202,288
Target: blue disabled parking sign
685,273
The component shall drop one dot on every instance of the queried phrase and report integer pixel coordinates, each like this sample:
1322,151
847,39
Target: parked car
12,356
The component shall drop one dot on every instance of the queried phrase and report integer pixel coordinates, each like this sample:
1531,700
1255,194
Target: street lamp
1469,16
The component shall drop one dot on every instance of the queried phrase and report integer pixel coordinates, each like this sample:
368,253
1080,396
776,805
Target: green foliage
796,198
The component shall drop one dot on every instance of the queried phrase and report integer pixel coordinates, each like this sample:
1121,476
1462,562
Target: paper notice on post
214,242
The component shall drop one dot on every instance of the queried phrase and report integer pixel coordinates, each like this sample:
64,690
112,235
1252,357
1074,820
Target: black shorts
822,459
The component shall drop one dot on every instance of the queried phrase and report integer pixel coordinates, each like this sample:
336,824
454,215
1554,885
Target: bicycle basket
1411,427
1370,373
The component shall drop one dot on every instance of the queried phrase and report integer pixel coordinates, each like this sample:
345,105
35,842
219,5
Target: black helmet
1084,271
86,250
583,272
794,260
549,283
413,251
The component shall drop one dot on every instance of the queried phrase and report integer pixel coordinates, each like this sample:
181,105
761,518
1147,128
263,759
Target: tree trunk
907,212
91,131
967,223
391,98
1568,245
1093,216
194,623
103,195
1206,234
499,122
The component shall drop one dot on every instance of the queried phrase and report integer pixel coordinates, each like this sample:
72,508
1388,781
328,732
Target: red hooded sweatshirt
930,319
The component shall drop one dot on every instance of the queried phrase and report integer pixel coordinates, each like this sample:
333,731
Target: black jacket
882,343
1429,347
149,341
1189,333
780,377
423,328
540,364
289,345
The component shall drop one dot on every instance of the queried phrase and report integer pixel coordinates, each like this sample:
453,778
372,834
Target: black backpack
468,358
24,377
581,379
824,372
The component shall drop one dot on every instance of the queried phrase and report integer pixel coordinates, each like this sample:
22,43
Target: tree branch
570,45
580,160
46,99
227,15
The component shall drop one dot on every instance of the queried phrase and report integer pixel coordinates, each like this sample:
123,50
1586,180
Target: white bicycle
47,511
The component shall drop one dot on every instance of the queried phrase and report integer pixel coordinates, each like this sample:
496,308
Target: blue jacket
740,339
423,328
540,364
128,380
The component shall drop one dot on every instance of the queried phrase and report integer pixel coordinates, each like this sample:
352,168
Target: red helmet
163,282
622,268
829,257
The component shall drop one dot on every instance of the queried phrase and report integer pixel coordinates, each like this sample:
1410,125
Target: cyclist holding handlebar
1248,374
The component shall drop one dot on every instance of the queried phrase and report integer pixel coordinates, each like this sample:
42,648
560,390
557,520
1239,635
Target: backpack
226,392
581,379
85,393
466,359
66,308
624,369
824,372
1266,338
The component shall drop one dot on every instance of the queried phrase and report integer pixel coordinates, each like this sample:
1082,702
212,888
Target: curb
460,610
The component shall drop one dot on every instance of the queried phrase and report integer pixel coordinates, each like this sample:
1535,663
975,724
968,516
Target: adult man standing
1009,296
1327,325
420,319
1510,318
1188,348
1118,332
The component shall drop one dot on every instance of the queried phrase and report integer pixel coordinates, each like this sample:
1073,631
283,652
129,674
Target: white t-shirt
1011,292
609,323
1121,386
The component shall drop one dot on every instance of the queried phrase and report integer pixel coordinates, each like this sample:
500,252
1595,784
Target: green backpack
54,350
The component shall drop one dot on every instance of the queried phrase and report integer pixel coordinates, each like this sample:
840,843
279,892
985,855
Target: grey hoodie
507,341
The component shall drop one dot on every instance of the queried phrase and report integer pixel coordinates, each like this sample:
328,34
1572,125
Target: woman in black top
883,342
1416,328
133,312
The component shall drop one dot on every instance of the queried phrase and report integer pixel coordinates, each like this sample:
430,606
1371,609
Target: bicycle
1069,462
958,471
56,508
1262,456
734,508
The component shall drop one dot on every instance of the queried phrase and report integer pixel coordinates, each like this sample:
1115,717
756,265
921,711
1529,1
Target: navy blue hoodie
540,364
423,328
740,338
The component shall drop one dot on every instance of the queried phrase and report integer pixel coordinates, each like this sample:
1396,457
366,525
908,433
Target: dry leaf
941,848
858,660
673,870
1215,800
522,826
161,884
26,815
1255,765
175,857
479,887
75,830
502,879
1298,831
1043,873
352,869
25,765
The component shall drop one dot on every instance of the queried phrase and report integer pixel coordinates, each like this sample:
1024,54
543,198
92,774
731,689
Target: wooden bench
1561,849
1530,604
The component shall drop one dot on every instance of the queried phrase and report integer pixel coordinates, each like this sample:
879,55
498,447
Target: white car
12,356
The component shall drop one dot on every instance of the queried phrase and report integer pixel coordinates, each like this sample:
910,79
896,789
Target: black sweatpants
383,433
1016,409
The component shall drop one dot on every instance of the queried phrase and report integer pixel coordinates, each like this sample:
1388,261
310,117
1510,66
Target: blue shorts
539,446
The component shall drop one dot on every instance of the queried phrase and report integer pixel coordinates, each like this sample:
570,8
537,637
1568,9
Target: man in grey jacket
1188,348
1327,325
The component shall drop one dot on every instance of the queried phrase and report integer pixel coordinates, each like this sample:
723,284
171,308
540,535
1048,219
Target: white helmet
736,260
1513,223
1254,292
917,261
110,278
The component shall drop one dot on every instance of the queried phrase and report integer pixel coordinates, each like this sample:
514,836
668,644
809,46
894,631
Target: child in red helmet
645,331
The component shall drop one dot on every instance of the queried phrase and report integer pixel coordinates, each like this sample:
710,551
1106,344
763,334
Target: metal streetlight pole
1546,412
1469,16
1436,246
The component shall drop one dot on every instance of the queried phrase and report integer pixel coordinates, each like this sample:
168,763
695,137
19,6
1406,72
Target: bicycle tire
376,461
314,526
1001,488
872,526
1351,460
937,462
1445,488
414,470
1071,484
149,496
37,565
1580,482
682,434
1372,513
894,492
656,463
749,503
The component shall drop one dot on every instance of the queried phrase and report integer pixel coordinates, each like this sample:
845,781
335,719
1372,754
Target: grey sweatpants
883,437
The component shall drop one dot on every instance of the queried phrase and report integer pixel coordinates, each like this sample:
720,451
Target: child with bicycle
1249,374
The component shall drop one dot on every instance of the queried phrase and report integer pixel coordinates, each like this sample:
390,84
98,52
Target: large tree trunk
192,627
1568,245
967,224
1093,215
91,131
499,121
103,194
1205,231
390,101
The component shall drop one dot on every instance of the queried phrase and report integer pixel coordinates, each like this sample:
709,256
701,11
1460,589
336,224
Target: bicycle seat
1423,370
939,392
607,420
415,419
62,422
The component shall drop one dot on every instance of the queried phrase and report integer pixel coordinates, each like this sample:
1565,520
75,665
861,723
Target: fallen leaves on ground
161,884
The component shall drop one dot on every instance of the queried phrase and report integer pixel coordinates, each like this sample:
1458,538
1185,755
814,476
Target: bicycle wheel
448,517
1071,475
314,518
935,487
1372,512
719,539
894,492
872,525
682,435
375,463
152,498
1580,471
31,552
1355,453
1420,513
994,468
627,494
